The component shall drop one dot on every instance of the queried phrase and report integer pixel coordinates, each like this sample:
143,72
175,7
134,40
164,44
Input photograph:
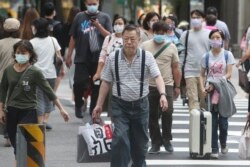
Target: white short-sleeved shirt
45,51
217,64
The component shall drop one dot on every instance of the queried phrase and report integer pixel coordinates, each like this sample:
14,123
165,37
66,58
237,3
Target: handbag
244,144
243,79
58,60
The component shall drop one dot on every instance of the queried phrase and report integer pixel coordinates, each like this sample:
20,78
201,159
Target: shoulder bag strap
53,44
185,57
207,62
117,73
161,50
14,93
142,72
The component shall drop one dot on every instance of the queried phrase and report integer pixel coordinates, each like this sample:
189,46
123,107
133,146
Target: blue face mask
159,38
92,8
21,58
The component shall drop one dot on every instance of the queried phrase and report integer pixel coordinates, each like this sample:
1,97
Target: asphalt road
61,142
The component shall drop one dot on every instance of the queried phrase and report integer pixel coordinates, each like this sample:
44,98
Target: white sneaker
214,156
224,150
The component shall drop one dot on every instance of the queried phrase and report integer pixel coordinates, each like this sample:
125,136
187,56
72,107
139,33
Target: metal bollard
30,145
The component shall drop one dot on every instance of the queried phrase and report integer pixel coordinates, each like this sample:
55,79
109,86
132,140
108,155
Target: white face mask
151,24
118,28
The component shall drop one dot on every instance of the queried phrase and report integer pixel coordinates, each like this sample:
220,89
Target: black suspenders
117,73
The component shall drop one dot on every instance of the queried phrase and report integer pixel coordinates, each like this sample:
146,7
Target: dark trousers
17,116
155,113
130,137
84,73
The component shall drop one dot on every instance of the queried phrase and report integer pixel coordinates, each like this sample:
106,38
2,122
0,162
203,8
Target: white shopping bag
98,138
244,144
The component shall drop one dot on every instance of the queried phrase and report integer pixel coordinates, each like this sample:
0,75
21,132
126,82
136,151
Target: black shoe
154,149
78,112
168,146
48,126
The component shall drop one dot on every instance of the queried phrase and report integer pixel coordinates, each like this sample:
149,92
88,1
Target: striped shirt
130,74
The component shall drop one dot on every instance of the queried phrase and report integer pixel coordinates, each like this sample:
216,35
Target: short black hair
211,19
132,27
198,13
171,17
148,17
119,17
216,30
212,10
27,46
160,26
41,26
48,8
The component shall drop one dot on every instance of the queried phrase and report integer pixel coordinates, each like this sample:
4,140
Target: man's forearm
160,84
103,31
71,46
176,74
104,89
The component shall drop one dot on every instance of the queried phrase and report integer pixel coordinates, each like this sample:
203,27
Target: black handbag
243,79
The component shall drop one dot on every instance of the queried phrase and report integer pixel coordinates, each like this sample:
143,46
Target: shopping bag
98,138
244,144
83,153
243,79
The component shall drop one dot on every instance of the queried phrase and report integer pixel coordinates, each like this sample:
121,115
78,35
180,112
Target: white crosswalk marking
180,130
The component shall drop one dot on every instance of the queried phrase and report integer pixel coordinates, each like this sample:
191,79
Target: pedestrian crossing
180,130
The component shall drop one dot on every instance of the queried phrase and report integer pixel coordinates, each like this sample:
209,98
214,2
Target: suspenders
117,73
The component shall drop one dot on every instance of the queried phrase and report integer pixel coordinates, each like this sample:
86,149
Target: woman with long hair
30,15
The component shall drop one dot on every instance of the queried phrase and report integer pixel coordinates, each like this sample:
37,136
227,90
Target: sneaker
154,149
224,150
48,126
214,156
7,143
168,146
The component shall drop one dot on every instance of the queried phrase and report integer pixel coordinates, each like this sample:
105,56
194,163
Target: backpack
52,26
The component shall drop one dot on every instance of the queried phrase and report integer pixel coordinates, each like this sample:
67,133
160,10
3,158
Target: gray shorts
44,105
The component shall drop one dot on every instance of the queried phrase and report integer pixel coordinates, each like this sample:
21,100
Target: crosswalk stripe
180,139
186,149
198,162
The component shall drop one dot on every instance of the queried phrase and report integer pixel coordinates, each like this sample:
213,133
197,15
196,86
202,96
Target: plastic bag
98,138
244,144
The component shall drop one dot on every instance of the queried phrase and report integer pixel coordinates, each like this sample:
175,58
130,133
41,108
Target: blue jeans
130,137
222,123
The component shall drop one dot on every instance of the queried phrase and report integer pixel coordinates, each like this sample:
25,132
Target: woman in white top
147,25
45,47
110,44
218,64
